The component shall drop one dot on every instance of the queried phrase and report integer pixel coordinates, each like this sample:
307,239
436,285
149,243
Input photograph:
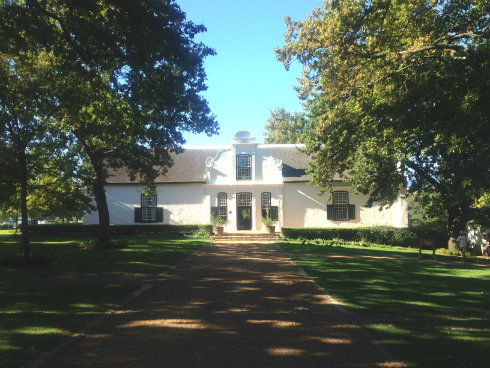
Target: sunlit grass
426,313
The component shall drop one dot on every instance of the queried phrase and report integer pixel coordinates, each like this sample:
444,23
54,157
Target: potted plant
218,224
269,224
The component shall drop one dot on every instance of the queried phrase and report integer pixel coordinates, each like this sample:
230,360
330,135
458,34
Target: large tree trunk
23,205
101,201
456,222
457,218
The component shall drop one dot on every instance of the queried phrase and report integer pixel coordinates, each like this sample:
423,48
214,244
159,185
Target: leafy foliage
126,78
285,127
396,91
401,237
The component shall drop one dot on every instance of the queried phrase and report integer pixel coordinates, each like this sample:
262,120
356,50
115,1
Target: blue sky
245,80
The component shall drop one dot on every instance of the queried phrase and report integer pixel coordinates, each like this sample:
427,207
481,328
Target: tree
25,100
128,81
284,127
57,190
397,93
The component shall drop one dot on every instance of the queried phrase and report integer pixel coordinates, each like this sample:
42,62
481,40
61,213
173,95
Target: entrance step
246,236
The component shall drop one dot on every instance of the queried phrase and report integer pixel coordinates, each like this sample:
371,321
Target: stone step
246,237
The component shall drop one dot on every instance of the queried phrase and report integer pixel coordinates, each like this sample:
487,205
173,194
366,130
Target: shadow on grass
34,318
430,315
150,254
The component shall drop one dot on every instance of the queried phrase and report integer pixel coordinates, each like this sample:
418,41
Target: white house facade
242,183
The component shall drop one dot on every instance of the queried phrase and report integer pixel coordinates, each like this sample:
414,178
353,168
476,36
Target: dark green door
244,211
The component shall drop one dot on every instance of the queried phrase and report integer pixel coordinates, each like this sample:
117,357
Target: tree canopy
397,93
127,78
284,127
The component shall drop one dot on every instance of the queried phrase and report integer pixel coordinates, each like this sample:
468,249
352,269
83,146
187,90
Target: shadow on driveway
230,305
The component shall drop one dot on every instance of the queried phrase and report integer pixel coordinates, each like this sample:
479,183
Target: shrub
201,233
402,237
76,229
95,244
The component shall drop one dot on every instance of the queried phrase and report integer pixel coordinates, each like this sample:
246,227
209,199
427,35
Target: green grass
428,314
146,254
34,317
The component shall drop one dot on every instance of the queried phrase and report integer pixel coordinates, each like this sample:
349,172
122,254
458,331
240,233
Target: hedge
403,237
68,229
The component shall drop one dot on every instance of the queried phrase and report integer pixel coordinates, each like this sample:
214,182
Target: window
244,199
340,205
266,204
149,208
222,206
267,209
148,212
340,209
243,167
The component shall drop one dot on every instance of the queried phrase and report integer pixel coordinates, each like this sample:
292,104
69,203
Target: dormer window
243,167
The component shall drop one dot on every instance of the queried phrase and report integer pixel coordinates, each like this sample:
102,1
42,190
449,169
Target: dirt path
230,305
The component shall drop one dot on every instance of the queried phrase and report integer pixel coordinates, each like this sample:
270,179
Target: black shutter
274,213
352,212
329,211
264,212
159,214
137,214
214,211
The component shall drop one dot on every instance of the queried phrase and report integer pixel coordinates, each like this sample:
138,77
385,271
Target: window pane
340,198
340,205
243,173
221,199
222,212
148,200
149,214
243,167
266,200
244,199
243,161
340,211
222,205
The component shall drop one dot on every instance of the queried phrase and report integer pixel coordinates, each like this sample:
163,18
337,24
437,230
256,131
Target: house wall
299,203
182,204
265,168
303,206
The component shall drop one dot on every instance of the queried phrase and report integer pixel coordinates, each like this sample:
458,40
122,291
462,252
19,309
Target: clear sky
244,79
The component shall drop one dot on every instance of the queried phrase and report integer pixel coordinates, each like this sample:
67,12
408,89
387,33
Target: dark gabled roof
294,161
190,167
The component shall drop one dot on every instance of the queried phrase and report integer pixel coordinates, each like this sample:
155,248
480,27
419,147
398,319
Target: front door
244,211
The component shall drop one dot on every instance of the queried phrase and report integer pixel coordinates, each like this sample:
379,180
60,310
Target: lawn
429,314
36,316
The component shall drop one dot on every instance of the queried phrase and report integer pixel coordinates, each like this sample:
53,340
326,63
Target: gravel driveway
229,305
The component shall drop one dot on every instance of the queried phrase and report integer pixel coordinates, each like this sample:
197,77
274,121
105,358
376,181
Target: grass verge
429,314
35,316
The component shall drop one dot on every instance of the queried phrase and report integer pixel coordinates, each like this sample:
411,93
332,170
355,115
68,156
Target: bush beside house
57,229
402,237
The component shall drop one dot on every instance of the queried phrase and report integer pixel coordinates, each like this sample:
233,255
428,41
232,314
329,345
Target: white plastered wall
302,206
182,204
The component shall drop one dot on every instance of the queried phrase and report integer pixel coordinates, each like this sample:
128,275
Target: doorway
244,211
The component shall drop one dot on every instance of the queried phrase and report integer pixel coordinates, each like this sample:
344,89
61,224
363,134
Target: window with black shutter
340,209
148,212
